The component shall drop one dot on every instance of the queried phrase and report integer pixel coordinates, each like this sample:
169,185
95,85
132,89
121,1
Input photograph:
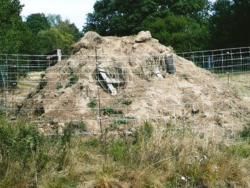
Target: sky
74,10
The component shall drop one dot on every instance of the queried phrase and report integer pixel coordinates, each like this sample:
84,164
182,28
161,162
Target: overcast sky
74,10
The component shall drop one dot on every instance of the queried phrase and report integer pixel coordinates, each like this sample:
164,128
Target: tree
229,23
180,23
184,33
70,28
221,24
119,17
12,31
37,22
61,34
54,19
52,39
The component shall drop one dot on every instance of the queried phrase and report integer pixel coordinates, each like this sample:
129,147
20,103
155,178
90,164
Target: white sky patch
74,10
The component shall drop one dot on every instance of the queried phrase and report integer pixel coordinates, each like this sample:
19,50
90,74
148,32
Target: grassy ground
241,81
147,158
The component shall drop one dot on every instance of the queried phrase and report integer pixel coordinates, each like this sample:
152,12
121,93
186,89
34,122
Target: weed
73,79
241,150
42,84
118,150
59,86
245,134
92,143
25,154
127,102
92,103
77,125
110,111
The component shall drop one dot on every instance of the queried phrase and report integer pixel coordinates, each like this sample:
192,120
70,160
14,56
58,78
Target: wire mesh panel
119,93
221,60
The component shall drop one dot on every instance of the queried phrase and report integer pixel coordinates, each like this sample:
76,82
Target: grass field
240,82
148,158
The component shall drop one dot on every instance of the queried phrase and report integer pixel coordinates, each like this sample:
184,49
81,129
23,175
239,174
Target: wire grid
228,60
15,66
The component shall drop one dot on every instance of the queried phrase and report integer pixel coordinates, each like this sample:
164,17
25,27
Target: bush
245,134
73,79
59,86
25,154
110,111
92,103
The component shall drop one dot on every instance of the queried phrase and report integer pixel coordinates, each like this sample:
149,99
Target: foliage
148,158
182,24
53,38
110,111
13,33
229,26
38,34
73,79
25,154
37,22
245,133
92,103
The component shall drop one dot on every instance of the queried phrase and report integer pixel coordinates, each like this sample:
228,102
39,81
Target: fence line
14,67
221,60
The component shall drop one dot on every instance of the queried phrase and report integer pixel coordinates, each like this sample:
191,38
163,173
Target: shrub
245,134
127,102
59,86
73,79
92,103
110,111
25,154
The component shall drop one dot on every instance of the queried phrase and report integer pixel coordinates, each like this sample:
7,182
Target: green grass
73,79
111,111
148,158
240,81
92,103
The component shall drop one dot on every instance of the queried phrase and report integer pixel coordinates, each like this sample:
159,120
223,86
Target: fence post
59,55
222,61
241,60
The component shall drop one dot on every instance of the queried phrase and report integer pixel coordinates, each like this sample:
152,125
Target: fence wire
23,76
222,60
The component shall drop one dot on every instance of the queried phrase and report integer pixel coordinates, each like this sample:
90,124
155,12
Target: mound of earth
194,97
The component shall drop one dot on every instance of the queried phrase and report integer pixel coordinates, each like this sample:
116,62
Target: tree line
186,25
37,34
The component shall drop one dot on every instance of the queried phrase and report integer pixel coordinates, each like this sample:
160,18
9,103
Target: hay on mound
192,96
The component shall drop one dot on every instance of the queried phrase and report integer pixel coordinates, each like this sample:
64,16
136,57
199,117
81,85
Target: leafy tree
50,33
12,30
182,32
221,23
119,17
229,23
37,22
51,39
54,19
180,23
69,28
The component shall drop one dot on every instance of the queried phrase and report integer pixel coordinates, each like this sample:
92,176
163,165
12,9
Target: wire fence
32,86
230,60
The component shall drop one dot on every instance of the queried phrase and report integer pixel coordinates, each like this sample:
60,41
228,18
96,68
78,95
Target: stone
143,36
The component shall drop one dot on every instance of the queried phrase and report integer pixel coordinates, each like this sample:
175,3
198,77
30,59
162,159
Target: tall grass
26,155
151,157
